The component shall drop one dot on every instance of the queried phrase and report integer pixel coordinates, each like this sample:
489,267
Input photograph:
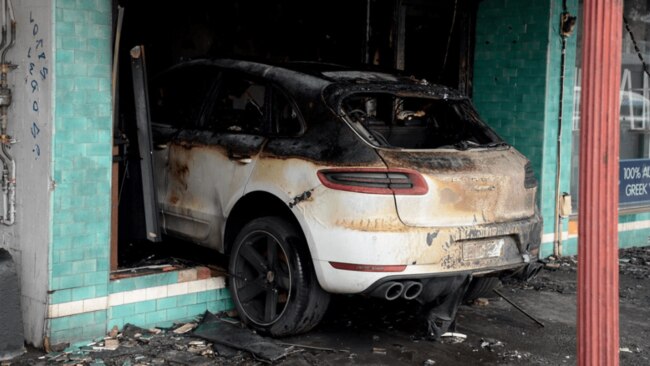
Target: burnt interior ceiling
329,31
435,37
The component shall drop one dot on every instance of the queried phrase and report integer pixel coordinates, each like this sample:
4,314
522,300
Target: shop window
634,172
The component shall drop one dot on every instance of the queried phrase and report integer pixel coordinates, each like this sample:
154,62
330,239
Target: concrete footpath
363,331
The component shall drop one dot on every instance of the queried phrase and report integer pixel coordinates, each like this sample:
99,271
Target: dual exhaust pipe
391,290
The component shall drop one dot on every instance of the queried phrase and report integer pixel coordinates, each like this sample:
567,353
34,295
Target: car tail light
368,267
374,180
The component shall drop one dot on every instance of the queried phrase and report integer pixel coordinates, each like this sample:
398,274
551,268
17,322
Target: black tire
272,279
482,287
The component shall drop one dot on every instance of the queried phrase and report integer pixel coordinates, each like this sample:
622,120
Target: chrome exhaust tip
412,289
389,290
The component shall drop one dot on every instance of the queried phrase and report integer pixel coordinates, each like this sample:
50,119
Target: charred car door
208,161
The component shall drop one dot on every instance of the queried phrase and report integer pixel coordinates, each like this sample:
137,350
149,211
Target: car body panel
205,173
478,186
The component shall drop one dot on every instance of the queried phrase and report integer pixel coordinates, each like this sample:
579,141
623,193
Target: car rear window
418,122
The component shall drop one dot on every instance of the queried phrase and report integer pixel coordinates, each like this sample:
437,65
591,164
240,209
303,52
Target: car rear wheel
272,280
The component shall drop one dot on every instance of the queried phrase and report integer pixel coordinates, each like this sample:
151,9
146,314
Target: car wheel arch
254,205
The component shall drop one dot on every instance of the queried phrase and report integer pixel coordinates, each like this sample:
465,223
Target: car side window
286,118
239,106
178,97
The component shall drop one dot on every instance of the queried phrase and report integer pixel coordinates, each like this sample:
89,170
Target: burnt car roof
316,76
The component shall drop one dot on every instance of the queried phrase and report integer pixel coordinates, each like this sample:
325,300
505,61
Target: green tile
101,45
73,43
198,309
95,331
101,290
81,320
71,281
155,317
184,300
126,284
202,297
223,293
83,293
102,31
62,269
119,322
66,335
166,303
58,324
103,6
177,313
145,306
100,18
138,320
70,255
64,29
74,16
64,57
122,311
66,4
95,278
86,83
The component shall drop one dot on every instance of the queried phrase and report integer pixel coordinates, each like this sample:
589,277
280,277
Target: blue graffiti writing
35,129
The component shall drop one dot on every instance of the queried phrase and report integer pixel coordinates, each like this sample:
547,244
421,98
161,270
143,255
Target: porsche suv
319,179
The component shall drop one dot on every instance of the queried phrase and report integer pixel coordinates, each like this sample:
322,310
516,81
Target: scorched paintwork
476,200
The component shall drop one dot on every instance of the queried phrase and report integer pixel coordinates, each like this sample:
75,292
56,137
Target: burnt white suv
319,179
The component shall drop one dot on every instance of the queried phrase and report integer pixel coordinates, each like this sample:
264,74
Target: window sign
634,182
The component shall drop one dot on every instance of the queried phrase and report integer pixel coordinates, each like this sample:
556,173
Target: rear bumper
422,252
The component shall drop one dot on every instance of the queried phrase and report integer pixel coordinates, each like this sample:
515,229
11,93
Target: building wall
30,123
517,84
83,302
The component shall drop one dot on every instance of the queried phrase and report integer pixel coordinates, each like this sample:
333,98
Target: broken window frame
372,138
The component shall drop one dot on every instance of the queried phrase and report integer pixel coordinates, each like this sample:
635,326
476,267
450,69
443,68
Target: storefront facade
61,239
518,67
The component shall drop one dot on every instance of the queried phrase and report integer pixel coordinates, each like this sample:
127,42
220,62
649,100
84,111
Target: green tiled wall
517,83
82,142
82,151
164,312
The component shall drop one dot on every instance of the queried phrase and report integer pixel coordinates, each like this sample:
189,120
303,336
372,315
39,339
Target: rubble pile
135,346
635,262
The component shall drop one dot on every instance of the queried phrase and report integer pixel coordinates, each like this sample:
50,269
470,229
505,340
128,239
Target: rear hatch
477,186
473,176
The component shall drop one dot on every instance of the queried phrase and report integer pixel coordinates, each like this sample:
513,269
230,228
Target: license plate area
483,249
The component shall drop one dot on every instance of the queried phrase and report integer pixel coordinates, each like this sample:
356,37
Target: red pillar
598,333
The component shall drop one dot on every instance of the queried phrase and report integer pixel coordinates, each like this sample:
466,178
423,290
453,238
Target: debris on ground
185,328
453,337
491,344
370,331
515,355
214,328
481,301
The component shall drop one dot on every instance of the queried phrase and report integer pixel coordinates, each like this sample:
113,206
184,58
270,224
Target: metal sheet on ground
233,335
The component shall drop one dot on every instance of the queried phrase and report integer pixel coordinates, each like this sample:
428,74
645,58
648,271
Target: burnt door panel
210,165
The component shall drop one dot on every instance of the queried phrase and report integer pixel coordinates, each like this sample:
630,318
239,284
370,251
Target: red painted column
598,332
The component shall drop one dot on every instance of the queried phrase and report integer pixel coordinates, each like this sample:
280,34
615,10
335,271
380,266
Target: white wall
32,86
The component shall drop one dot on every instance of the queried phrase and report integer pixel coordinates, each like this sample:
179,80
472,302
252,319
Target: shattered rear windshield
418,122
